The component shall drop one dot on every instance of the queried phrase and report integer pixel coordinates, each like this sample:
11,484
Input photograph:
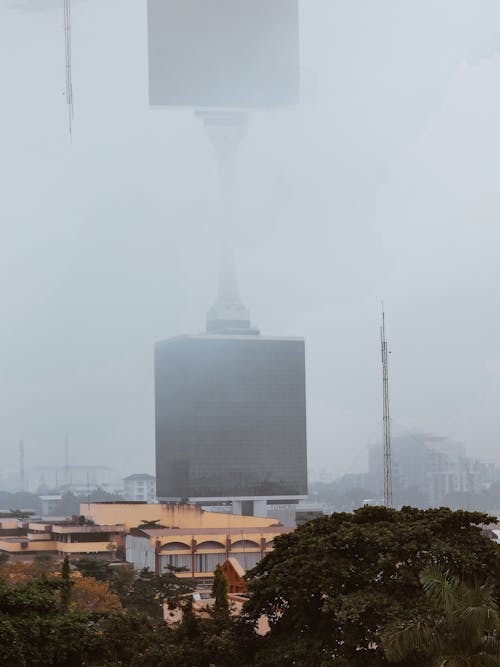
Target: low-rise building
155,536
50,505
12,527
140,487
166,515
63,538
199,550
160,535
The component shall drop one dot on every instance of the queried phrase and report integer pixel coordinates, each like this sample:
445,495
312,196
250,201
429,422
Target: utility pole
66,460
88,494
21,463
386,417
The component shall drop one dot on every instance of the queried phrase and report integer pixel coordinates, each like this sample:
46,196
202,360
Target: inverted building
223,54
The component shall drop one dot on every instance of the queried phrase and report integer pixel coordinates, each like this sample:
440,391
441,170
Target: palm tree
463,630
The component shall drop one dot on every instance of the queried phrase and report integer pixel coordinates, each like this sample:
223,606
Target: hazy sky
382,184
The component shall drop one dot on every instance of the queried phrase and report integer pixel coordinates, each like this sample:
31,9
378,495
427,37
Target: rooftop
243,530
138,476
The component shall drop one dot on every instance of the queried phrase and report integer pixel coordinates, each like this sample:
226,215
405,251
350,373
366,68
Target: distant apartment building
140,487
50,505
429,467
231,414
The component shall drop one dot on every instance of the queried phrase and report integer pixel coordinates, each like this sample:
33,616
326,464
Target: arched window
210,544
244,544
175,546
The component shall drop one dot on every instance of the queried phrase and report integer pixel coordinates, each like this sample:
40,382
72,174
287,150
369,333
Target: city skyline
330,220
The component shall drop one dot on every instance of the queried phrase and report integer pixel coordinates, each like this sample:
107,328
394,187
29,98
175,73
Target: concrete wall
140,552
174,516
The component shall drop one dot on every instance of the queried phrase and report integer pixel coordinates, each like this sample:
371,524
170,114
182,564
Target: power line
386,416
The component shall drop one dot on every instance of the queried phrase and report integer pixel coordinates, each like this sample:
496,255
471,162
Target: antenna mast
387,417
67,47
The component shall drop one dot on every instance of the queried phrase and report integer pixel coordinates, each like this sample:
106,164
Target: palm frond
401,640
491,645
442,587
452,661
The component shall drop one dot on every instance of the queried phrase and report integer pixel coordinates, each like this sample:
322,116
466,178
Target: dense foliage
374,587
461,627
331,586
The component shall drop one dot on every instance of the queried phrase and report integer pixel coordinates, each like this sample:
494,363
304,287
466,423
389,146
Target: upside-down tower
230,403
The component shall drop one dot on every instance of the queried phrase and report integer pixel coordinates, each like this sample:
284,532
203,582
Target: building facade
427,470
199,550
140,488
62,538
231,414
155,535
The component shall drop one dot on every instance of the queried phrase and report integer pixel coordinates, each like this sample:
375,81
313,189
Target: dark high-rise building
231,413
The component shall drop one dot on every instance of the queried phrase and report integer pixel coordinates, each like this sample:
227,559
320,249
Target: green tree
335,582
190,624
43,565
65,585
149,591
122,580
10,650
35,633
463,628
95,568
220,590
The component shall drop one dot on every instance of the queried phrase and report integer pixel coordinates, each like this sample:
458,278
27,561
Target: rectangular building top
242,338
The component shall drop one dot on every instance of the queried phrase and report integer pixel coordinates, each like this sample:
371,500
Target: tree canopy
461,627
335,582
373,588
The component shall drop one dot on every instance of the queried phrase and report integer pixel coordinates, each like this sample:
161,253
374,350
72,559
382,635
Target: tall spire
228,315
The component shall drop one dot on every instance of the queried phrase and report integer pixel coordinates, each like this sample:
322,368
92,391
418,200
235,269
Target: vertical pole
193,556
88,494
386,417
157,557
67,48
21,463
66,460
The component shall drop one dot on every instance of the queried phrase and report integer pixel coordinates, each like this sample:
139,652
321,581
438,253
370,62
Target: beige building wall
131,515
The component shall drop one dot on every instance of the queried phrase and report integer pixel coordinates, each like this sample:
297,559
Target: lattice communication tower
386,417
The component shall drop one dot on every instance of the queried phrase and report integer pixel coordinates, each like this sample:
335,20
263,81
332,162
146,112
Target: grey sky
382,184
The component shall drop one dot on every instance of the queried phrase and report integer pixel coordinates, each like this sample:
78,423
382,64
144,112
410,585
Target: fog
381,184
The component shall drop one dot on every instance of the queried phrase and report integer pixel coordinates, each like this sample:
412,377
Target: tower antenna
67,49
387,416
